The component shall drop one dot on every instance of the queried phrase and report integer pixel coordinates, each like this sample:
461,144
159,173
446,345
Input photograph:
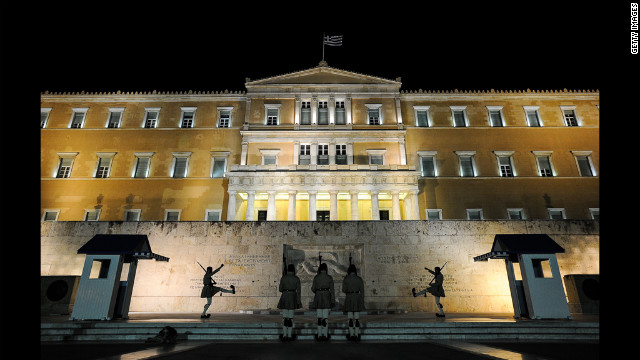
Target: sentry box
101,293
536,286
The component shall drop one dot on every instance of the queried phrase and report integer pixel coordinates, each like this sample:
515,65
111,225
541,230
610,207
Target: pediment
322,76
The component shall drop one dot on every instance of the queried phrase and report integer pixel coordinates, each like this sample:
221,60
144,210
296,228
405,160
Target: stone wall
390,256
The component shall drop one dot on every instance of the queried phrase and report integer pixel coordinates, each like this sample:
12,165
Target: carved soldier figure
209,289
289,300
353,287
323,300
434,289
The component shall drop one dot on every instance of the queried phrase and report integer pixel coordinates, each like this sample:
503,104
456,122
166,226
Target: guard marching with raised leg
353,287
435,288
209,289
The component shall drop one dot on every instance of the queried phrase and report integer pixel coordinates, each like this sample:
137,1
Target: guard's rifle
284,263
442,267
319,261
349,259
203,269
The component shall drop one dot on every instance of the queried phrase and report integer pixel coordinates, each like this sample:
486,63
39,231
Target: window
376,157
132,215
272,114
187,117
305,154
172,214
115,117
323,113
104,165
322,215
495,116
533,116
213,215
269,156
541,268
142,165
583,160
374,116
556,214
50,215
305,113
434,214
180,164
459,115
92,215
64,166
44,116
341,117
515,214
428,163
466,163
543,159
569,115
422,116
77,119
151,118
595,213
224,117
99,269
323,154
474,214
505,163
262,215
384,214
341,154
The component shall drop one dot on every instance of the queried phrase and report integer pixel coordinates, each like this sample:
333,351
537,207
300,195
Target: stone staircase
79,331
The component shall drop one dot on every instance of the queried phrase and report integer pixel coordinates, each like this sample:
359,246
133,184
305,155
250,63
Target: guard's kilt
209,291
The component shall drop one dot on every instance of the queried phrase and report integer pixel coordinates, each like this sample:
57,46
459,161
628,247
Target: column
296,112
350,153
332,152
296,152
414,205
314,152
271,205
354,204
395,201
246,116
347,106
314,110
331,106
408,215
375,209
403,151
251,196
333,205
312,205
243,154
292,205
231,208
398,111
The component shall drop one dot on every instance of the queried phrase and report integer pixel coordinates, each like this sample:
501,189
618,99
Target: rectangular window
595,213
77,120
213,215
428,166
50,215
556,214
434,214
570,117
64,169
341,154
495,116
104,165
533,116
544,165
323,113
180,167
515,214
459,118
323,154
269,160
375,159
115,116
341,118
322,215
132,215
272,116
224,118
305,113
151,118
422,118
262,215
219,167
373,116
504,163
172,215
541,268
187,119
91,215
384,214
142,167
584,165
474,214
305,154
466,166
44,116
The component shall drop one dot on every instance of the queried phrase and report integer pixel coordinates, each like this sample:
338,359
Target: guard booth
102,295
534,277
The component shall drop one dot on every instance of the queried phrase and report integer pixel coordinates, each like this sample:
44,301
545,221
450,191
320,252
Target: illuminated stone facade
320,144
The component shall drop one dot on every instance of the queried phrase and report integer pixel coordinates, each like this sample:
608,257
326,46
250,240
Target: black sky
444,47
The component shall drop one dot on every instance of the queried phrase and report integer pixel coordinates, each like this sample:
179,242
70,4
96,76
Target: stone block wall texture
390,256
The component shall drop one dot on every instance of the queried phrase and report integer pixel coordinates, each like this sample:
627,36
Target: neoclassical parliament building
316,145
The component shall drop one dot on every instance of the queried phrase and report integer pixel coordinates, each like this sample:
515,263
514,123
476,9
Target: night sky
540,46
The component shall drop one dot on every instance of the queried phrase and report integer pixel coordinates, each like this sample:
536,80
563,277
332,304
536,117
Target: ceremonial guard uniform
289,300
434,289
323,300
209,289
353,287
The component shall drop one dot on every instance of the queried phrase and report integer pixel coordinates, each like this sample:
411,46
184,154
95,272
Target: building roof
506,245
120,244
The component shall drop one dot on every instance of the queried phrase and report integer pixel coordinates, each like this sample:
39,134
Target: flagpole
323,46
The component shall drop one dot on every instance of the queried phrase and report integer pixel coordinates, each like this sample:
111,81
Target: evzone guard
353,287
290,299
435,288
209,289
323,299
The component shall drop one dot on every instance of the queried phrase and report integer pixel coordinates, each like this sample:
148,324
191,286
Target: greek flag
333,40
